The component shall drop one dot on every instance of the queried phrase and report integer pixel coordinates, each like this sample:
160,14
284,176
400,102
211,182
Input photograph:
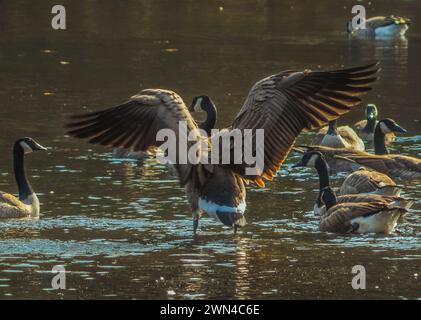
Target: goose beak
399,129
39,147
299,164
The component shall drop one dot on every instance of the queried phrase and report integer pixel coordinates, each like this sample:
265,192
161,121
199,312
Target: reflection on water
123,229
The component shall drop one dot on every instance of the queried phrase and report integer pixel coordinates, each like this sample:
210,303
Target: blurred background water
123,229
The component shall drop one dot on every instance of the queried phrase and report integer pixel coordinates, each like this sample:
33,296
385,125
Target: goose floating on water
342,137
365,128
361,213
27,205
282,105
382,27
395,166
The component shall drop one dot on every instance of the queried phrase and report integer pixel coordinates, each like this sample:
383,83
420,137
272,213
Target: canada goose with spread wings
282,105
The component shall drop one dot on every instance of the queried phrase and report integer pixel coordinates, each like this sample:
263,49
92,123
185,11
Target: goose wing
134,125
402,167
365,181
339,218
9,199
360,125
286,103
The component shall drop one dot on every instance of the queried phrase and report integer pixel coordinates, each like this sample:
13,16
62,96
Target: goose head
389,125
309,159
371,111
28,145
201,103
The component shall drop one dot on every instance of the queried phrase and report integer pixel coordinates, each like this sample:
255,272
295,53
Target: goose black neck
24,187
322,170
332,128
370,125
380,141
211,116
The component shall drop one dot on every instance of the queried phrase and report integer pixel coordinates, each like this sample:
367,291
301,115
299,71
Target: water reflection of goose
27,205
282,105
359,213
381,27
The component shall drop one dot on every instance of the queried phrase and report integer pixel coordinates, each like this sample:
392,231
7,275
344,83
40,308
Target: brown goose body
356,213
369,181
282,105
361,217
396,166
345,138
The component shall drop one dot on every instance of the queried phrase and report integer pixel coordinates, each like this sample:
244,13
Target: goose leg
235,229
196,217
195,225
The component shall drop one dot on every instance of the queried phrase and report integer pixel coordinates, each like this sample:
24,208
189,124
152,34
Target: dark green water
123,230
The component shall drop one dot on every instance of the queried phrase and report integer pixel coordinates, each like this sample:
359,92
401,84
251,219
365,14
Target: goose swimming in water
381,27
395,166
365,128
27,205
361,213
342,137
282,105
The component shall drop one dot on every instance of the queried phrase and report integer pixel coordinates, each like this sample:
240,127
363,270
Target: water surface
123,229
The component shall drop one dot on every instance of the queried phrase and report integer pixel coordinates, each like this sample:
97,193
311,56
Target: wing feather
288,102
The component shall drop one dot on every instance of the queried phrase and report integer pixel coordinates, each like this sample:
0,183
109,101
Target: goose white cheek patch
197,106
26,148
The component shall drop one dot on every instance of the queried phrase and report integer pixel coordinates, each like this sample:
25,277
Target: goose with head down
359,213
27,205
281,105
342,137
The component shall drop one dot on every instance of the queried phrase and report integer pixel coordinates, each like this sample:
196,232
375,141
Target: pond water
123,229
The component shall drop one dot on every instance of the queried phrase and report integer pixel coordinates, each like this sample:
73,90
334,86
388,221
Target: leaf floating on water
46,51
64,62
171,50
48,94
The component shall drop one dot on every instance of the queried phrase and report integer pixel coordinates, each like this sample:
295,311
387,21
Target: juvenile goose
363,213
282,105
27,205
381,27
342,137
365,128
